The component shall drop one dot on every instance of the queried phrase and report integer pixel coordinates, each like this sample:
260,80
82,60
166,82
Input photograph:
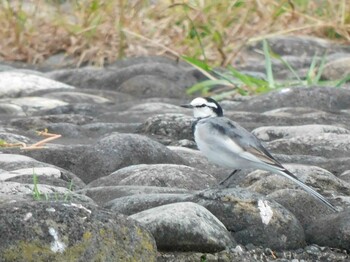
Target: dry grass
100,31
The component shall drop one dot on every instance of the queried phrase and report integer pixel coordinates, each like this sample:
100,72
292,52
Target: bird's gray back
223,126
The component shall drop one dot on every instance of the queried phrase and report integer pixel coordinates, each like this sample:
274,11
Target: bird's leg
227,178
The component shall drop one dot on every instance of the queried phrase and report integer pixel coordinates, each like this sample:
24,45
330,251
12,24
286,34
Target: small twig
38,145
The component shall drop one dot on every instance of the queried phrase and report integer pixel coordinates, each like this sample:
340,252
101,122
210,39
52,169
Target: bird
227,144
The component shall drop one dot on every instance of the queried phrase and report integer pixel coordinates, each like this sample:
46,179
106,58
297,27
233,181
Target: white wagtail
226,143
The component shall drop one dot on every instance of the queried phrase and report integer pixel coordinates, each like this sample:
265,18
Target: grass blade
247,79
198,63
201,66
320,69
268,64
311,71
342,81
286,64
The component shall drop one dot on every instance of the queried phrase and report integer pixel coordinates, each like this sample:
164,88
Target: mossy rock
56,231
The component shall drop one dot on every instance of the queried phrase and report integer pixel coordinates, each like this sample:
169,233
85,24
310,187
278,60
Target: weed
37,195
221,85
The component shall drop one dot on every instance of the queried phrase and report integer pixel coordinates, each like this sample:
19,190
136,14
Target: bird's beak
187,106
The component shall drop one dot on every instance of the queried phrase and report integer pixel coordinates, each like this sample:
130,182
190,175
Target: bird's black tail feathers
308,189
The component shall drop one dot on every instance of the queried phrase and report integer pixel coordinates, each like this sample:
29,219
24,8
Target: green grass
38,196
221,85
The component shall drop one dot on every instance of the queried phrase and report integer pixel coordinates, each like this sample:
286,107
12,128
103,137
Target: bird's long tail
308,189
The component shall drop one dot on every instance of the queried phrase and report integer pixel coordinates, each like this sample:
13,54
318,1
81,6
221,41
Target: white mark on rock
238,249
266,212
56,244
50,209
28,216
80,206
285,90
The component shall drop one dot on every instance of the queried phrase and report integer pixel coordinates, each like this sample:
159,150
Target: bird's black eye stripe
203,105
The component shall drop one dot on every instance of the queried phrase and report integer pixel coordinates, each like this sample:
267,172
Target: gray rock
329,145
102,195
37,171
13,161
332,230
88,133
87,77
256,67
129,205
14,188
32,104
11,138
155,108
136,111
22,169
44,180
322,98
120,150
254,254
334,165
289,117
67,130
28,72
168,127
152,86
5,67
87,109
291,111
44,175
337,69
162,175
122,63
196,159
300,46
98,129
113,78
45,231
11,109
268,133
185,227
305,208
316,177
59,60
106,155
345,176
83,95
143,111
41,122
77,97
16,84
11,192
253,219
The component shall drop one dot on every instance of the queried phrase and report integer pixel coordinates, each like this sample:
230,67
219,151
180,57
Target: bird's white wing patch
249,156
233,146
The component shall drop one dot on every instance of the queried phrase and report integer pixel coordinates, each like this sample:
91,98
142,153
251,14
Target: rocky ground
124,182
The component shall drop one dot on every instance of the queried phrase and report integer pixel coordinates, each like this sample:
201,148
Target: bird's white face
203,108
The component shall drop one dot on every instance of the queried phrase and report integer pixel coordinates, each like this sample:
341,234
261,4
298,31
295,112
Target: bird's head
204,107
